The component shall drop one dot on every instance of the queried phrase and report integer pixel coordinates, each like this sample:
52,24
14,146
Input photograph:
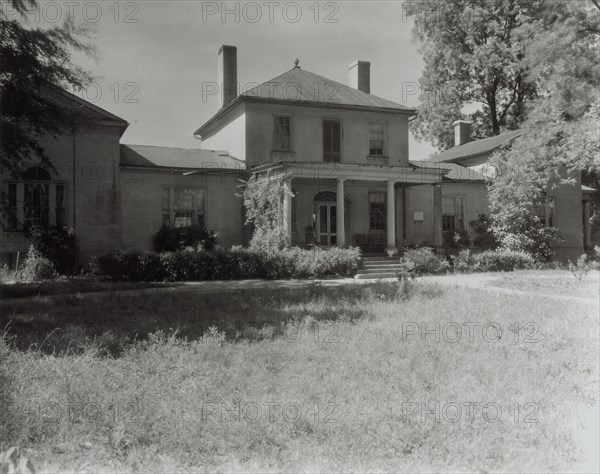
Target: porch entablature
350,171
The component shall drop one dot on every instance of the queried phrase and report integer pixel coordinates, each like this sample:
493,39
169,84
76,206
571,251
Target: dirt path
479,281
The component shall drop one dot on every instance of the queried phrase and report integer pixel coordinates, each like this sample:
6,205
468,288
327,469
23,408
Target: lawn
68,286
557,283
347,378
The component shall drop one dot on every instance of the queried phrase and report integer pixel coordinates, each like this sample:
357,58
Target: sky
156,57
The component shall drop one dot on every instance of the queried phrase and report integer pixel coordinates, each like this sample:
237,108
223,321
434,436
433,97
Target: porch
353,205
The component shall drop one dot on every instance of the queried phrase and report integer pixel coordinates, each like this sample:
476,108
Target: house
343,150
567,206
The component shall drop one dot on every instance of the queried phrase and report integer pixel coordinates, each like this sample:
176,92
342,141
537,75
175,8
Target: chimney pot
462,132
360,76
227,72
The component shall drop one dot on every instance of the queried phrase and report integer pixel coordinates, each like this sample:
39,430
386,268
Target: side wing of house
179,187
79,191
564,208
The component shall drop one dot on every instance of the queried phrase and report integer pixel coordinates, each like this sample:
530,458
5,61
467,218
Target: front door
326,224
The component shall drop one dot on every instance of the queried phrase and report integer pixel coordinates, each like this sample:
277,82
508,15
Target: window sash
36,206
546,212
452,213
332,140
12,206
377,138
183,207
59,206
282,133
377,211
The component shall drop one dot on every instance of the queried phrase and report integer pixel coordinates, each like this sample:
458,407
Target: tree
34,64
473,56
561,138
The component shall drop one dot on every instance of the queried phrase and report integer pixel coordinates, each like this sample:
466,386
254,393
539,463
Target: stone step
374,276
386,269
381,264
380,259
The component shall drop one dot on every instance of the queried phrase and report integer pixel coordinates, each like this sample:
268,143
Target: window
183,207
60,205
332,140
12,205
283,133
36,205
166,206
452,214
377,132
546,213
377,212
36,200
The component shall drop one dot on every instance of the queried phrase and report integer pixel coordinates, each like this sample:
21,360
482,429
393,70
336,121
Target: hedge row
194,265
425,261
492,261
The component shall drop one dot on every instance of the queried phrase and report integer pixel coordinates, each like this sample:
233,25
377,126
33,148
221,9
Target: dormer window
282,136
377,138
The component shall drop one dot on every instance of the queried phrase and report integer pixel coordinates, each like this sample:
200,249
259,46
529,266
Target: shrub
583,266
525,232
484,237
423,260
463,261
502,260
170,239
454,242
37,267
196,265
59,245
6,274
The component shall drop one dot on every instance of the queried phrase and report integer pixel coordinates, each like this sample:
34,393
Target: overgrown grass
110,323
68,286
551,283
333,389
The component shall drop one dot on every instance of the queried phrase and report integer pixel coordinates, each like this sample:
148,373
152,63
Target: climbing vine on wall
263,197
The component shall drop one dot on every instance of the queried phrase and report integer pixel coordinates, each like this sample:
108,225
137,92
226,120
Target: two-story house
343,150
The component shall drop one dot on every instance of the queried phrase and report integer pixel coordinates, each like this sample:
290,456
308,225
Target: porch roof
456,172
327,170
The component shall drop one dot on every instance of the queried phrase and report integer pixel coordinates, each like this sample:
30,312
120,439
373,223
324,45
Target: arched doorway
325,217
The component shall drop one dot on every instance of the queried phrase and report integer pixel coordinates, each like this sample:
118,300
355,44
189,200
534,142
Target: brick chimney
227,70
462,132
360,76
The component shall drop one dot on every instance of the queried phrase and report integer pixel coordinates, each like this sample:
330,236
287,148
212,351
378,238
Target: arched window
36,200
329,196
36,173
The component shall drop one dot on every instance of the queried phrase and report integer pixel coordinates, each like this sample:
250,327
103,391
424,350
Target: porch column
391,219
437,217
340,214
287,211
587,237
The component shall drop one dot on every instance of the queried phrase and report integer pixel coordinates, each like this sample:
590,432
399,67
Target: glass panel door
327,225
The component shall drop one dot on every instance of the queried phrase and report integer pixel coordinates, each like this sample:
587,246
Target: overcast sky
159,53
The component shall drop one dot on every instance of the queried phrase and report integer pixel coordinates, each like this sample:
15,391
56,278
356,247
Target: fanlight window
329,196
36,173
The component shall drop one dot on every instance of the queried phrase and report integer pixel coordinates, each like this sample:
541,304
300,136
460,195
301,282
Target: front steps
378,267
